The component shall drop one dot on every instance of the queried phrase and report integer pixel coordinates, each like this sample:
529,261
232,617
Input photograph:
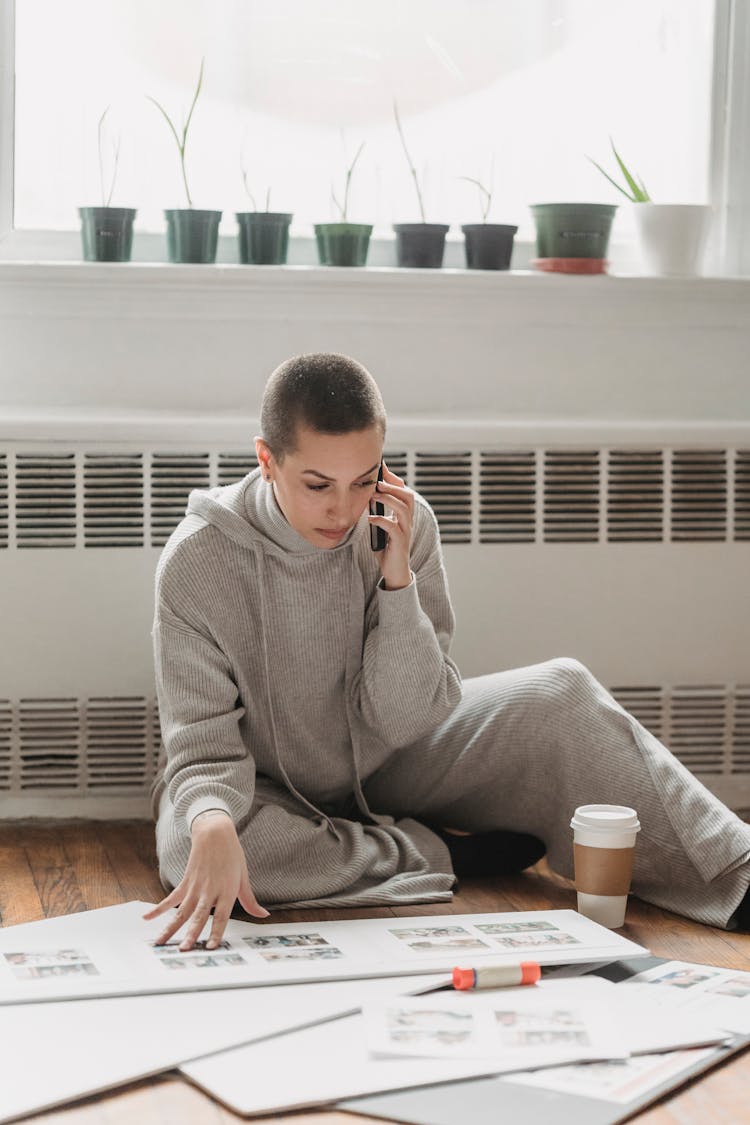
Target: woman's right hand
216,876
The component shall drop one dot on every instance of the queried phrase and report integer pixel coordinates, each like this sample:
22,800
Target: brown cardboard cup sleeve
603,871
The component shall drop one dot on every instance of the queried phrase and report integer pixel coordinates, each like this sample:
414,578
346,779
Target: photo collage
529,935
43,965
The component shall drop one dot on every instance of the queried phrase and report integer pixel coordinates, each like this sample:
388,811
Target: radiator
631,556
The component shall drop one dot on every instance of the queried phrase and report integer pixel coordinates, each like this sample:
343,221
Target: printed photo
734,986
284,941
58,957
174,946
42,972
535,941
38,965
429,1027
424,939
312,953
514,927
558,1027
683,978
203,961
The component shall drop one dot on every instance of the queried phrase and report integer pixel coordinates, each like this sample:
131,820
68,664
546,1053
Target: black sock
743,914
491,853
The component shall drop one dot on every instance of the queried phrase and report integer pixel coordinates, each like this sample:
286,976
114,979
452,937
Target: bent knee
568,678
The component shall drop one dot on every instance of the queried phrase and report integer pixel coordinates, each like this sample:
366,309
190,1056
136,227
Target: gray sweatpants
521,751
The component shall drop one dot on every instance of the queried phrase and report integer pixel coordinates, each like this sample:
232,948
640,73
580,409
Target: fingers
249,902
171,900
221,916
391,475
198,920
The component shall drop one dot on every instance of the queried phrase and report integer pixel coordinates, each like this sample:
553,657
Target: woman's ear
263,453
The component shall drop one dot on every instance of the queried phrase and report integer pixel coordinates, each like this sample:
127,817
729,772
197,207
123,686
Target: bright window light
517,91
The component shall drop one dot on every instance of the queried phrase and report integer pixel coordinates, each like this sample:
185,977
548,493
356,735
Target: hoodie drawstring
260,555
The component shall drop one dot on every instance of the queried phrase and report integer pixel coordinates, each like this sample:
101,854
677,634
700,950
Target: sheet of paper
517,1028
613,1080
81,1047
718,996
110,952
333,1061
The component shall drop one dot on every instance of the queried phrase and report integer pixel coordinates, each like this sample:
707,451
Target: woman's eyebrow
315,473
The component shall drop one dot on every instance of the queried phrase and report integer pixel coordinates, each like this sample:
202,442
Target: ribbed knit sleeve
408,683
208,765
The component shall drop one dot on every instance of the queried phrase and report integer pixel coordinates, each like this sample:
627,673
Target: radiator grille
6,718
110,744
491,496
635,498
46,499
742,495
49,744
699,494
173,476
571,497
445,481
3,500
113,500
507,497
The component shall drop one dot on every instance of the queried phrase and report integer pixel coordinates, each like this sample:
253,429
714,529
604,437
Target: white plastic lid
606,818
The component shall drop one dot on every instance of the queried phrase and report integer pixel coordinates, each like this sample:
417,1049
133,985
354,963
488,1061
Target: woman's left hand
397,524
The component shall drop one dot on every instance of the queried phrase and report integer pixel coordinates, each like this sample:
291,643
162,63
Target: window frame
729,252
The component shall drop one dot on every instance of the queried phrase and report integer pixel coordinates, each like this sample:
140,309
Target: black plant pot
420,245
489,246
264,237
343,244
107,233
192,236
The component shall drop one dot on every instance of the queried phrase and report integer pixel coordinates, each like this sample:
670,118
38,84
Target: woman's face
326,484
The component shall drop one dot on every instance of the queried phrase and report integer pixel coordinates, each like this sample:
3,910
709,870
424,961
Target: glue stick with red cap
497,976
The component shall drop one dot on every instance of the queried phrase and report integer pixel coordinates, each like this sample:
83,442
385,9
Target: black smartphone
378,535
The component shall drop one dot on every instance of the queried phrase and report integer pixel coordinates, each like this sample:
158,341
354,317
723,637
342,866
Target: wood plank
55,879
90,862
19,897
129,847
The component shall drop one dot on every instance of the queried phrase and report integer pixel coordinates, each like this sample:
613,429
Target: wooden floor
48,869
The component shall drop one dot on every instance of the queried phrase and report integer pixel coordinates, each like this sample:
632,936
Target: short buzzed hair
322,391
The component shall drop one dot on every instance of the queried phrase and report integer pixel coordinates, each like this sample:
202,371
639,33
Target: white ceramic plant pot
672,237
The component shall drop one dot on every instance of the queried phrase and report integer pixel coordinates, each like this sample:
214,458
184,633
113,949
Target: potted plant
672,236
192,235
572,237
418,244
343,243
489,246
106,231
263,235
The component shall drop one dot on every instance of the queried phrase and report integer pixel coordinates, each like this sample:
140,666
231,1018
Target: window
520,90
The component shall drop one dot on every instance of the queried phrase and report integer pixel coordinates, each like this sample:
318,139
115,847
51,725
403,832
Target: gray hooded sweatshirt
286,676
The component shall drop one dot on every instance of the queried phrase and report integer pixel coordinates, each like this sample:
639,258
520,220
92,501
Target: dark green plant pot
264,237
573,230
192,236
342,244
489,246
107,233
420,245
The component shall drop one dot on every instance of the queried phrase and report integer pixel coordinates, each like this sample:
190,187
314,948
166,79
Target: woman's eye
367,484
317,487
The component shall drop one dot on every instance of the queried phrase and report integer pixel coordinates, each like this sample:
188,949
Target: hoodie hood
247,512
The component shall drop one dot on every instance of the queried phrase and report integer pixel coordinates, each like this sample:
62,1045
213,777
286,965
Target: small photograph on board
491,928
429,1027
541,1029
203,961
311,953
424,939
174,946
682,978
533,940
41,965
733,986
284,941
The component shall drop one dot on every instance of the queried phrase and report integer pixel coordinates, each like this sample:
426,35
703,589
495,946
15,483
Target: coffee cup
603,851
